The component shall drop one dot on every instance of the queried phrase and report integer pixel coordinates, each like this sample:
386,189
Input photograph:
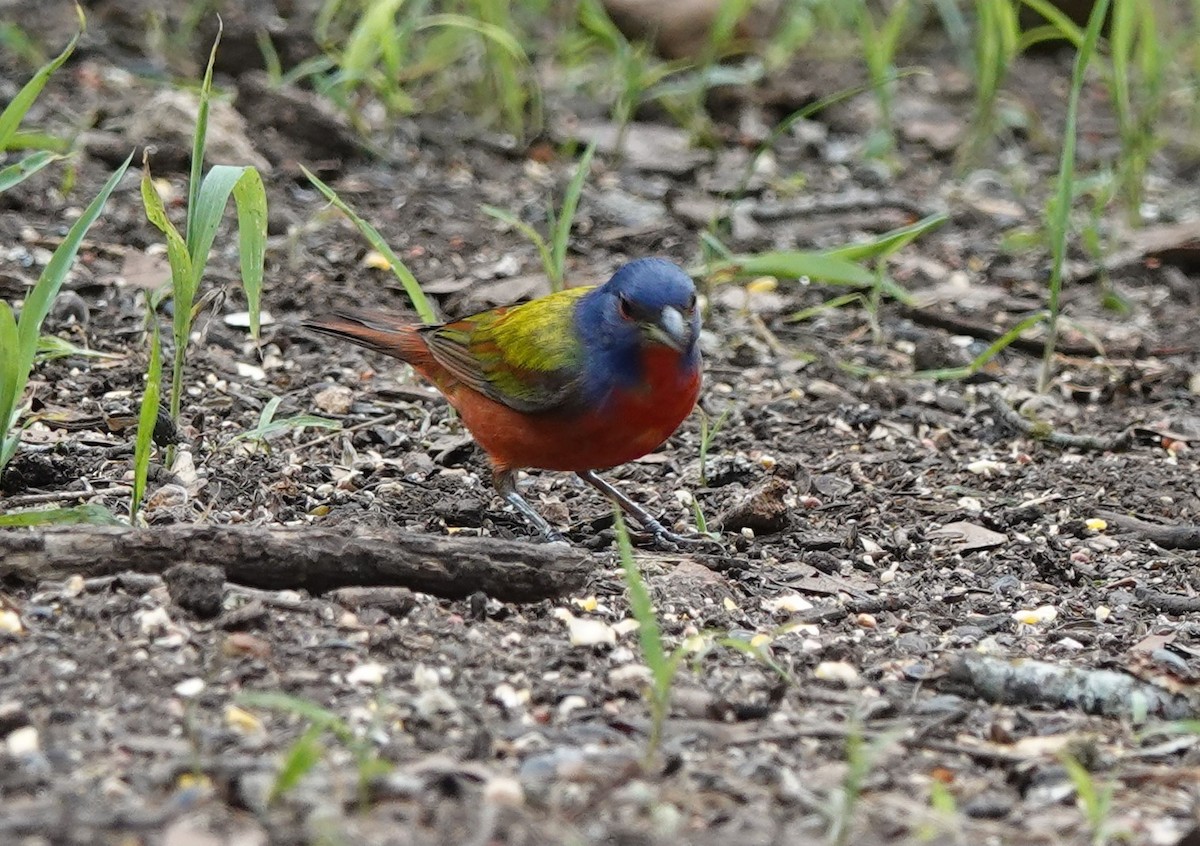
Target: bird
580,380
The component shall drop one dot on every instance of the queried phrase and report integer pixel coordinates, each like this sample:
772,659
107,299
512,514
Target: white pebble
189,688
369,674
836,671
22,742
1036,616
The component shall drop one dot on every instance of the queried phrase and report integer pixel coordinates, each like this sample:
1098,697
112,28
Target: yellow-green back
527,356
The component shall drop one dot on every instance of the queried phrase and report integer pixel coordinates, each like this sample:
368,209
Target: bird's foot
671,541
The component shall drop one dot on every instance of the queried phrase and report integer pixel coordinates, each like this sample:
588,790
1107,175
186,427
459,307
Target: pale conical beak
672,329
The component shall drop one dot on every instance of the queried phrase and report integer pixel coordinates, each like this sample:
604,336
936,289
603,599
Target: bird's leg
506,484
644,518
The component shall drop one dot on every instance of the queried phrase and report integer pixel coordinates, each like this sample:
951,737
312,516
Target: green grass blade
92,514
301,757
17,173
411,286
147,419
1058,222
1066,27
797,264
11,384
32,139
505,55
288,704
200,137
889,242
19,339
642,608
17,108
365,43
566,217
529,232
41,296
51,347
836,302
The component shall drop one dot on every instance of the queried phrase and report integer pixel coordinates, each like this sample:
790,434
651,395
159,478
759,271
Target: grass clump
19,337
188,252
406,56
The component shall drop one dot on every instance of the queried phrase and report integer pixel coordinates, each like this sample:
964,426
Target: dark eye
691,305
624,308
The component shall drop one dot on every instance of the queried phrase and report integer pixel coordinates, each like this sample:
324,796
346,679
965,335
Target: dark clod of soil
198,588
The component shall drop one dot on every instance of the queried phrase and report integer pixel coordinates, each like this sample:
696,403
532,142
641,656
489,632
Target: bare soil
876,530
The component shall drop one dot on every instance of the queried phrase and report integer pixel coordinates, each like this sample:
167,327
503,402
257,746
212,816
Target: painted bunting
579,380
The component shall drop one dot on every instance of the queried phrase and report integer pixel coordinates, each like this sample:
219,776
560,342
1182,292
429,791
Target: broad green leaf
250,198
92,514
205,216
17,173
246,186
411,286
819,267
182,288
17,108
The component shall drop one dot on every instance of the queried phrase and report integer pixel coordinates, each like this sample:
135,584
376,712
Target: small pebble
189,688
22,742
836,671
369,674
1036,616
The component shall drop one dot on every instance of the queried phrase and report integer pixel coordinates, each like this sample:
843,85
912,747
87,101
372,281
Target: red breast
632,424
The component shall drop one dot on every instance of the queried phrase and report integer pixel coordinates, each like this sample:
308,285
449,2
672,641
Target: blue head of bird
648,303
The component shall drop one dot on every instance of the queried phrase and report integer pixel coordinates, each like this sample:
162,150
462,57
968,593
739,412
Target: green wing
526,356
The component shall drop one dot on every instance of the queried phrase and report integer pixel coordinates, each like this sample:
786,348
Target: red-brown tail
377,331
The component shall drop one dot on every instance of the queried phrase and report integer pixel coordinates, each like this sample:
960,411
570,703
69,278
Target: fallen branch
1046,434
1168,603
304,558
1166,536
1104,692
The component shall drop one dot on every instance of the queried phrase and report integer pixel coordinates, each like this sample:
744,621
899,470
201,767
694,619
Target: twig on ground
1168,537
61,496
1105,692
1167,602
849,201
1043,432
304,558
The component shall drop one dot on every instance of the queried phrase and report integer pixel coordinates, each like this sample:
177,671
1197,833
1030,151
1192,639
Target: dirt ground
890,543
